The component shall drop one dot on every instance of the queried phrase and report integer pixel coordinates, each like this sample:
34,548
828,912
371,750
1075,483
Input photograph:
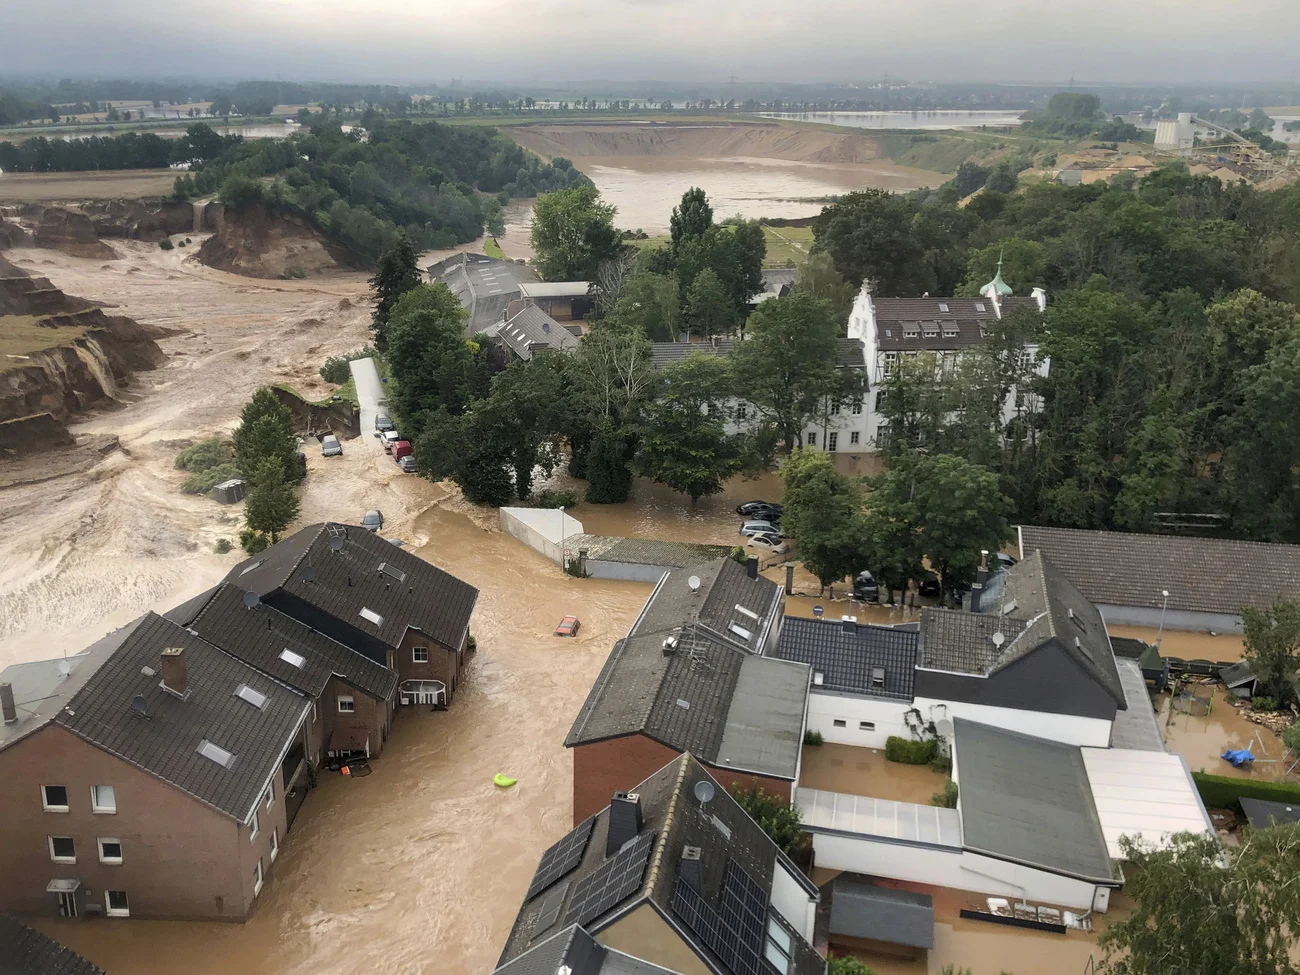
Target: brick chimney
7,703
624,821
174,676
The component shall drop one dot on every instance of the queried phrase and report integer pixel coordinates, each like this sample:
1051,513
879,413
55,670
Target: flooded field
866,772
905,120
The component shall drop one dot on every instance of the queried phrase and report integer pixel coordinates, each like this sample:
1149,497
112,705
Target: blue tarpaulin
1238,756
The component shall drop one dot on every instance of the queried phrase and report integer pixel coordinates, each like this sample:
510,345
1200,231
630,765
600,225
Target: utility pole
1161,632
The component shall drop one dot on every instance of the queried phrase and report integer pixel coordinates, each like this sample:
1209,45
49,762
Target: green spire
999,286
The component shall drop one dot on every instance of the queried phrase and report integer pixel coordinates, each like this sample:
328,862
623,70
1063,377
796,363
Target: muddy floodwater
905,120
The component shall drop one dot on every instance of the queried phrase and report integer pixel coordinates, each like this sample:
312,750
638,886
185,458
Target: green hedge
910,752
1224,791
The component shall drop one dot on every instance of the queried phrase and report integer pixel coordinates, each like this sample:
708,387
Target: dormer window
950,331
931,331
911,330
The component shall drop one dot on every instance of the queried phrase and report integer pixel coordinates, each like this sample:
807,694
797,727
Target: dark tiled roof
344,582
848,352
259,635
185,613
25,951
1028,800
166,742
675,818
484,285
532,330
962,642
583,954
895,315
860,909
1263,814
845,660
1202,575
724,585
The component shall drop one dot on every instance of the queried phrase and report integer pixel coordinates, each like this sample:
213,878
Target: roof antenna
704,792
336,543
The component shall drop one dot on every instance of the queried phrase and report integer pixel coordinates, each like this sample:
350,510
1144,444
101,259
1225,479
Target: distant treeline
133,150
439,184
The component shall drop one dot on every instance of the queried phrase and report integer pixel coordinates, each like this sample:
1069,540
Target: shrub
947,798
294,271
165,244
471,642
223,546
553,499
1264,703
909,752
252,542
776,817
941,763
847,966
336,369
203,455
738,555
187,240
811,737
1223,791
201,482
181,244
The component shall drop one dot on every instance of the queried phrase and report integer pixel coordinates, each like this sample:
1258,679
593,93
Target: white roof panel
1143,793
553,289
883,818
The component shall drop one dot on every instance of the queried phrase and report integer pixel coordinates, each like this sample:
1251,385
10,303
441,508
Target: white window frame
854,437
890,364
351,702
96,808
257,877
812,438
252,834
55,808
116,911
275,843
415,655
857,408
268,796
773,944
833,441
100,841
742,411
55,858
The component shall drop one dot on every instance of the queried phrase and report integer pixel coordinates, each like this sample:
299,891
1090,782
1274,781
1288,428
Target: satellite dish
139,705
694,583
704,790
65,668
251,599
336,543
309,573
943,727
817,611
998,639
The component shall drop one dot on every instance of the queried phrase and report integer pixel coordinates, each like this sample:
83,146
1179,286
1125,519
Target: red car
568,626
401,449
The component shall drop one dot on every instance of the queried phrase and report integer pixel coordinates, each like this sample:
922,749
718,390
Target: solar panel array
560,858
615,879
733,931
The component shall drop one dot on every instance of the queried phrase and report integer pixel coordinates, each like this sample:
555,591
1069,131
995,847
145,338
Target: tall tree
271,505
691,218
573,232
817,276
395,275
823,513
609,470
1272,639
650,305
868,234
612,373
266,432
709,309
430,360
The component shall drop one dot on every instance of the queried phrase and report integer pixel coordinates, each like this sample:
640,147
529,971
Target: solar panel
549,911
561,858
615,879
734,931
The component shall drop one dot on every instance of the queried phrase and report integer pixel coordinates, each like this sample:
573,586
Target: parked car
768,542
765,514
1005,561
568,626
402,449
928,586
383,422
373,520
749,528
749,507
865,587
330,446
407,464
390,437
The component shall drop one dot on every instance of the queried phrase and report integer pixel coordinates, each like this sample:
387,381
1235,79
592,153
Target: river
944,119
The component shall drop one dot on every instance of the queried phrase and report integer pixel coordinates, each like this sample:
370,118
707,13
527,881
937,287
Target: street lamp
1160,634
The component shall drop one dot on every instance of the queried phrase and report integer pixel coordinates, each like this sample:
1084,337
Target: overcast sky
555,41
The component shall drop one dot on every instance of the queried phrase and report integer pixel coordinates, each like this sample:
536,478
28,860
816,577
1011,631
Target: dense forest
1174,389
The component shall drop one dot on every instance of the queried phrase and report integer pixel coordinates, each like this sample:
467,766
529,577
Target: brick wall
369,712
443,664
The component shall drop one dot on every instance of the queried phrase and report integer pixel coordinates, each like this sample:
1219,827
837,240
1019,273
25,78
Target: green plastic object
503,781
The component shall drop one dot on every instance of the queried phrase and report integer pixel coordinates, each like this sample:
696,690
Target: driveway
370,393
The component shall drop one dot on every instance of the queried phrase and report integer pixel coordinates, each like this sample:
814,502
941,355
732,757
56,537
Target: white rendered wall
1067,728
825,708
792,902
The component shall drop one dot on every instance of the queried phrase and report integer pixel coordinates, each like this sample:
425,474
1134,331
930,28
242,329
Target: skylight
740,631
746,612
392,571
215,753
292,659
252,567
943,307
255,698
371,616
979,306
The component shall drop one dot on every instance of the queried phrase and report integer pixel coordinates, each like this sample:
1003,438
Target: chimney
751,567
7,703
849,624
690,869
1040,296
174,677
624,821
982,573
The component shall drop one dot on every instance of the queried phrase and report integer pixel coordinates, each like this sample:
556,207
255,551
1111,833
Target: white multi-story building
891,329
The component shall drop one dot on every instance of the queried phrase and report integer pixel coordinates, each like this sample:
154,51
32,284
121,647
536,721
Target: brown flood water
866,772
1185,644
1201,740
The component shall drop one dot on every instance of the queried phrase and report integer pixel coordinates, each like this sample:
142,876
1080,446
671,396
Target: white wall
825,708
627,571
1068,728
792,901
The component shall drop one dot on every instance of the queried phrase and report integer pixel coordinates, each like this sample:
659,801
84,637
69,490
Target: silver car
751,528
330,446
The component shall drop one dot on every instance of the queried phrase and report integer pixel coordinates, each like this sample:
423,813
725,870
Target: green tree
573,231
1021,266
786,365
1272,639
395,275
524,410
817,277
609,471
1197,912
265,432
1074,106
691,218
271,504
823,513
776,817
649,304
709,310
612,373
429,357
869,235
683,440
238,192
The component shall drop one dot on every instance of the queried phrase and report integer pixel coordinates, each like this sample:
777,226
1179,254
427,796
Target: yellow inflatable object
503,781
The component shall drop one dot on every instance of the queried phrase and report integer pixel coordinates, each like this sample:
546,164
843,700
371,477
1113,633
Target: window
779,946
275,843
62,849
346,704
877,676
370,615
840,723
216,754
857,408
882,397
812,439
911,330
979,306
250,696
713,409
833,441
891,363
257,878
103,799
268,797
866,726
292,659
931,331
420,655
252,833
743,611
740,631
742,411
835,410
950,331
110,850
854,437
116,904
943,307
55,798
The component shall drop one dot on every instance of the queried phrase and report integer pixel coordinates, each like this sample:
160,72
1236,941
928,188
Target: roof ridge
670,815
320,527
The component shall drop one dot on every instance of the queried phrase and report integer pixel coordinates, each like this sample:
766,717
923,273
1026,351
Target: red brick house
690,677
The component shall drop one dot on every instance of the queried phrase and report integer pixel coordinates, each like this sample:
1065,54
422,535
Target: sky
549,42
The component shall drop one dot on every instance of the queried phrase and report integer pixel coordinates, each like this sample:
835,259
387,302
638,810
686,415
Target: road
370,393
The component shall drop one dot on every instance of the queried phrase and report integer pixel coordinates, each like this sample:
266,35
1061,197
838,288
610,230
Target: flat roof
764,730
554,289
1263,814
1143,794
1135,726
837,812
860,909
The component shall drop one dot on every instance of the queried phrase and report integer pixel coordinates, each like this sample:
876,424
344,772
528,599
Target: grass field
21,336
492,249
785,245
115,185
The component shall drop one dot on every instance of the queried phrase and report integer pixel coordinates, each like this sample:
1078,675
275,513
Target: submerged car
749,507
330,446
568,626
865,588
373,520
768,542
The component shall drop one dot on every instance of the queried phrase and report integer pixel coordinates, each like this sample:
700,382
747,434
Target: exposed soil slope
698,140
257,244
